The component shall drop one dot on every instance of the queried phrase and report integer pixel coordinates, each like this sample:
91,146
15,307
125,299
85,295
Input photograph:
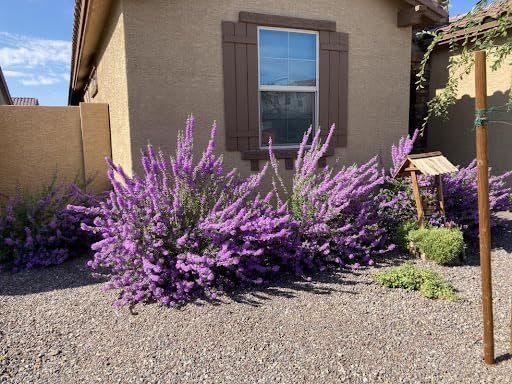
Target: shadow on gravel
503,358
289,287
502,237
71,274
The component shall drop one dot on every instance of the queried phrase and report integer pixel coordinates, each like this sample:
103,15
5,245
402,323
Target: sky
35,46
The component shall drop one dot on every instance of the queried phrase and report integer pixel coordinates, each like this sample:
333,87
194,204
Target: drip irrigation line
482,115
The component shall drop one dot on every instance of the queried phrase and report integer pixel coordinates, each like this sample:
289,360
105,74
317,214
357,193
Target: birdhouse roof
428,164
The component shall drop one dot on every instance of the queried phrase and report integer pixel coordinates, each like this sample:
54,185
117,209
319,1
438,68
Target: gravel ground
56,326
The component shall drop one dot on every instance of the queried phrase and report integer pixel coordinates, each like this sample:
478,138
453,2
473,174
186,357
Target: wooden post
417,199
483,206
440,196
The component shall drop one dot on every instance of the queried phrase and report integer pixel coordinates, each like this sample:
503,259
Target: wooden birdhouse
428,164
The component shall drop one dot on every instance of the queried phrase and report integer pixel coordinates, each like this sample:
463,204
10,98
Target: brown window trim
239,46
286,22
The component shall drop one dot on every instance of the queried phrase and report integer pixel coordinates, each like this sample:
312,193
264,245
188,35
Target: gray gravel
56,326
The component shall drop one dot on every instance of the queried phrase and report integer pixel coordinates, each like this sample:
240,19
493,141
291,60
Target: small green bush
430,284
401,236
442,245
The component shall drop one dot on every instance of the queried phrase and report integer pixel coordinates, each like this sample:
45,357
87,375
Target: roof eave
90,19
422,13
5,88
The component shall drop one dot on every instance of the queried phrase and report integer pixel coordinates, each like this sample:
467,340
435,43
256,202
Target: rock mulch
56,326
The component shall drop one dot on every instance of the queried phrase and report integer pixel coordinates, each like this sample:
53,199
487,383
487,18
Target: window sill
288,154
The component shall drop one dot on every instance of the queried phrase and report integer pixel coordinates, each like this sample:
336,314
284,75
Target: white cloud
29,51
34,61
8,73
40,80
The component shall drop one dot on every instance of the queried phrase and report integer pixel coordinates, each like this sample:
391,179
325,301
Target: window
288,84
281,76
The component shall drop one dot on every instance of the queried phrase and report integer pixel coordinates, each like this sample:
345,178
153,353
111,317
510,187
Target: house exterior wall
456,137
111,76
40,143
3,98
174,67
96,145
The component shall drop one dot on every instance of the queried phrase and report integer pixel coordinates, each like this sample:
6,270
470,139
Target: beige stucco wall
174,67
38,143
111,77
95,131
456,137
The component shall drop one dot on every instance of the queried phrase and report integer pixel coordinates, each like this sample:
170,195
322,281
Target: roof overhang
4,89
92,15
422,13
90,19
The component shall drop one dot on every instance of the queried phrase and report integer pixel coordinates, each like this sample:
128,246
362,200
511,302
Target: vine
462,49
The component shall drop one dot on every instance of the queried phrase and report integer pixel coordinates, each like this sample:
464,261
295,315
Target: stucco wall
96,145
456,137
38,143
174,66
112,85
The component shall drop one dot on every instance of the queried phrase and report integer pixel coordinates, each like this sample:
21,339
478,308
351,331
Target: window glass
302,46
273,71
286,116
288,85
302,73
287,58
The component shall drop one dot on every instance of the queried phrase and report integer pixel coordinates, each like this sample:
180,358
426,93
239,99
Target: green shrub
401,236
430,284
442,245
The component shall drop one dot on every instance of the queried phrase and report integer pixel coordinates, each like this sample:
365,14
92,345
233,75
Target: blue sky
35,46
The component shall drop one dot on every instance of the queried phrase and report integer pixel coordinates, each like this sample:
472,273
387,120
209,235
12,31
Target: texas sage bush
459,189
38,230
337,211
461,198
185,230
395,195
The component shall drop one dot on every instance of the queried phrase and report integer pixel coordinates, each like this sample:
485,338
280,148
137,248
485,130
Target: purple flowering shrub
187,229
37,230
184,231
337,212
400,152
397,203
461,198
459,189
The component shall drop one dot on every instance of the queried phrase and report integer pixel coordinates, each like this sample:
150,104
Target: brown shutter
240,56
334,85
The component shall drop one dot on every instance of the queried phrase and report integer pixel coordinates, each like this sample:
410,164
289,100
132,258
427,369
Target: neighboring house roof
25,101
90,17
486,18
4,89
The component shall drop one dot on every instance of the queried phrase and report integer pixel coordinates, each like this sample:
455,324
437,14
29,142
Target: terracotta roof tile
25,101
482,16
